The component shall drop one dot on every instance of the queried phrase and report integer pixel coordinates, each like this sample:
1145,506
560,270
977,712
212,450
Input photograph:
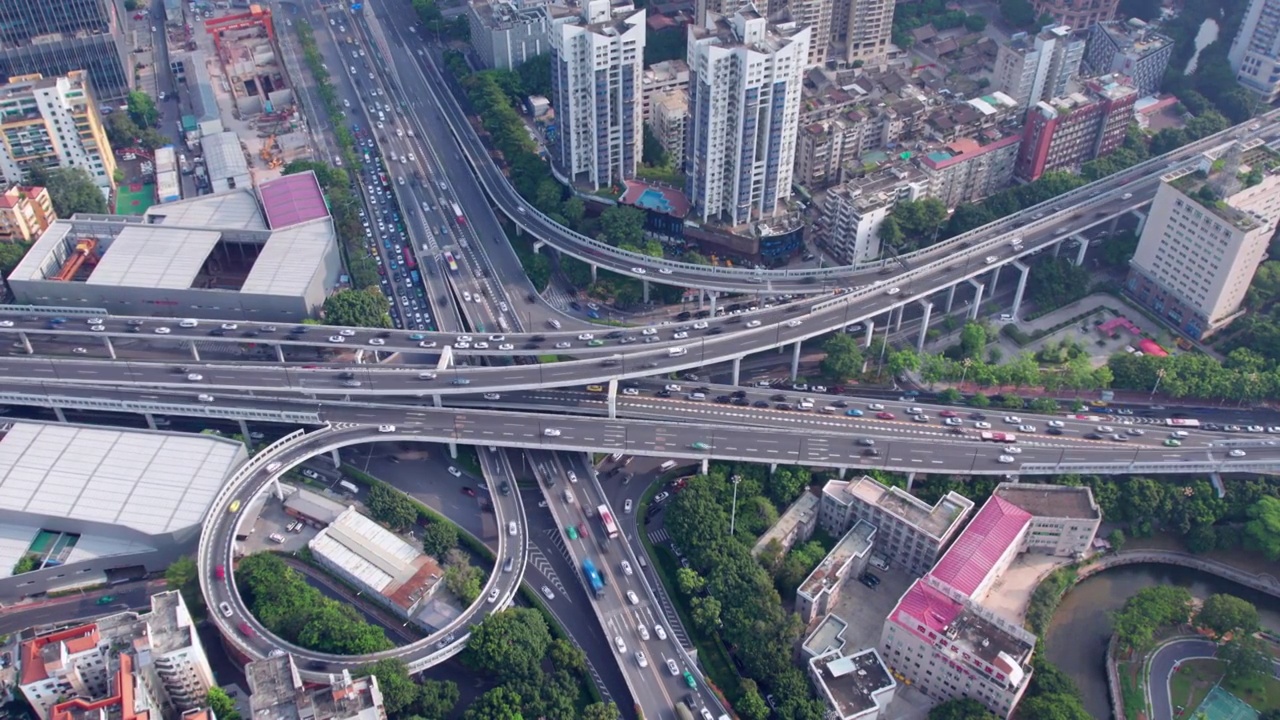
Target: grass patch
1135,701
1192,682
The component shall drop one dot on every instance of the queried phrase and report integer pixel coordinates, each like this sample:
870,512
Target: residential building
860,30
704,9
1255,50
854,687
25,212
671,121
53,122
157,654
1069,131
597,67
226,166
816,16
506,34
969,169
1031,68
908,531
795,526
852,213
744,102
1064,519
1201,244
1131,48
662,78
277,692
58,38
971,117
819,592
1076,13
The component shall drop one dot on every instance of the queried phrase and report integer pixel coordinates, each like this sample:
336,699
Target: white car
460,345
573,476
546,592
875,406
482,345
162,331
195,377
274,466
637,270
1027,428
680,335
1236,453
377,341
641,660
506,346
893,291
630,391
346,332
226,609
386,428
1106,429
513,528
700,325
660,631
493,595
204,398
563,344
649,331
952,421
337,339
794,323
427,344
1056,423
586,336
617,642
1006,459
753,324
551,432
665,271
455,471
1013,450
626,570
6,323
492,396
982,425
643,632
626,506
1012,420
990,259
672,667
632,597
229,326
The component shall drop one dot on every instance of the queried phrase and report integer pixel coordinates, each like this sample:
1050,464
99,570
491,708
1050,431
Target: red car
948,413
469,491
885,415
582,530
220,572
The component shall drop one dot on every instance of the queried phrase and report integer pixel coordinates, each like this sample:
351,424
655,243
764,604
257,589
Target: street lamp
1159,377
734,515
965,363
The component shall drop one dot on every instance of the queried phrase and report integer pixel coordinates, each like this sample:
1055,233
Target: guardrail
211,411
53,310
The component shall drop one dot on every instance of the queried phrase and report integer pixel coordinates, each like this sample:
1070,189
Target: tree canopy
961,709
357,308
142,109
843,359
71,190
508,645
1225,614
1147,611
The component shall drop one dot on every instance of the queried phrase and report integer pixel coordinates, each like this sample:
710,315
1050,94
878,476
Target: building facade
53,39
1202,242
662,78
1077,13
53,122
857,686
1255,50
1131,48
1069,131
25,212
1064,519
860,30
277,692
1032,68
852,213
908,531
505,35
671,121
597,67
744,103
820,591
969,170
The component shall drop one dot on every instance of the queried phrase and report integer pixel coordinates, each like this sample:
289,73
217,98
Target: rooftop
938,521
313,505
152,256
1051,500
154,483
854,544
223,156
852,683
1134,36
964,149
1199,188
377,557
827,636
293,200
278,693
801,512
978,549
232,210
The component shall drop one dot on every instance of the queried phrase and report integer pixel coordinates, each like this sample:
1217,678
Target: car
1105,429
794,323
455,471
546,592
162,331
660,631
1013,450
563,344
1027,428
753,323
272,467
952,421
672,667
700,446
195,377
700,325
638,270
1092,436
377,341
1135,432
204,398
982,425
885,415
229,326
626,568
493,595
226,610
427,344
1126,196
386,428
513,528
1005,459
234,507
572,532
337,339
915,411
347,332
1053,431
990,259
586,336
688,680
461,381
660,497
106,600
1056,424
1237,453
871,580
492,396
630,391
875,406
551,432
1172,442
1012,420
853,412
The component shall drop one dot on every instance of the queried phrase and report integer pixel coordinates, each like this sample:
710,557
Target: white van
677,352
554,323
189,323
697,396
667,465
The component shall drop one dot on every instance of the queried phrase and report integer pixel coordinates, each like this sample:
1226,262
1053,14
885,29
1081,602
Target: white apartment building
816,16
1030,69
166,659
966,170
52,122
671,120
1196,258
908,531
819,592
1255,51
597,67
852,213
860,30
660,79
1064,520
744,106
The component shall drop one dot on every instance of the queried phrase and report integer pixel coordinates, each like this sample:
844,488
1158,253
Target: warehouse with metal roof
269,253
82,504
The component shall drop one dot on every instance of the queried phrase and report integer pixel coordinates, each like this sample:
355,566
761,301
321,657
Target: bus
606,519
593,577
452,263
1182,423
409,262
457,213
683,712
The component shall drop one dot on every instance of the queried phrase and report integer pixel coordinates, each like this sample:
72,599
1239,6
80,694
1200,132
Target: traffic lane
1161,669
67,609
426,479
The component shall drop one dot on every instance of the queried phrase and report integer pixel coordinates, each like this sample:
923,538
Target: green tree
500,703
961,709
391,507
10,255
439,538
399,692
1225,614
1246,657
1147,611
221,704
461,579
1058,282
142,109
973,338
436,698
1262,531
706,613
508,645
750,705
622,225
600,711
1052,707
1117,539
843,360
357,308
71,189
689,582
980,401
567,656
890,233
183,575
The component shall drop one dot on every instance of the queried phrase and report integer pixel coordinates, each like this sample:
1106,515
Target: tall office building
744,106
860,30
596,74
1255,51
55,38
52,122
1131,48
1032,68
1201,244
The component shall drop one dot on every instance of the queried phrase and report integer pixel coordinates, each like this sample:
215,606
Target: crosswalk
659,536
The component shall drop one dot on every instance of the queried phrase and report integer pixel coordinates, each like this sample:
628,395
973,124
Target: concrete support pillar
1084,248
995,280
951,297
537,244
151,421
644,284
911,480
446,358
706,465
871,331
702,299
1022,286
276,489
244,433
57,412
843,470
924,325
795,361
26,343
594,269
436,401
977,299
195,351
613,399
737,370
714,297
1056,248
1142,221
453,450
111,348
279,353
360,356
773,468
336,457
1111,226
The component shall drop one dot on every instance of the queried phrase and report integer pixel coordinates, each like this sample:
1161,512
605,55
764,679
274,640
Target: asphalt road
77,607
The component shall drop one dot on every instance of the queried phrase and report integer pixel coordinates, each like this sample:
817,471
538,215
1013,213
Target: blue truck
594,578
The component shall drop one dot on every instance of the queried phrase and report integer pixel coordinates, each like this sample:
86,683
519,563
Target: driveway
1164,663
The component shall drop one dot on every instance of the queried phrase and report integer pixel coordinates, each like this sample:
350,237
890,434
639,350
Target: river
1077,638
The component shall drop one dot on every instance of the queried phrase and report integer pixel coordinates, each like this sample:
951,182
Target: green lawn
1195,678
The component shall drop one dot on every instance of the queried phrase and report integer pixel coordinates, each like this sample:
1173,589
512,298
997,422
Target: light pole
1159,377
734,515
965,363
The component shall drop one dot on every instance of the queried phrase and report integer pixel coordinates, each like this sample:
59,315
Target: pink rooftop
292,200
924,604
980,546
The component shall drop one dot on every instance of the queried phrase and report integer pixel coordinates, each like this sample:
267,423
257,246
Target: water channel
1077,638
